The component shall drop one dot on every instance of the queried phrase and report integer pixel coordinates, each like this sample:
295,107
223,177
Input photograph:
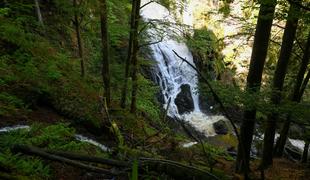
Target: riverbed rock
184,100
220,127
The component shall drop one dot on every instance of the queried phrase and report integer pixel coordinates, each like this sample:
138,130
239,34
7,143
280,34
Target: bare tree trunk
105,51
135,50
38,10
296,97
259,53
129,54
304,158
278,81
78,36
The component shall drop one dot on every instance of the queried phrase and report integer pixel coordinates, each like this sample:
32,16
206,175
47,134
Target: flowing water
78,137
172,72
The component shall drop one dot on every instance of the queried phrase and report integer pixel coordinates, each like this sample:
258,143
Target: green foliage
225,7
10,104
147,101
134,173
206,48
55,137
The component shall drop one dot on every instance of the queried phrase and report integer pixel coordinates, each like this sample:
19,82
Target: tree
258,57
296,97
129,54
38,11
135,50
78,36
105,50
278,81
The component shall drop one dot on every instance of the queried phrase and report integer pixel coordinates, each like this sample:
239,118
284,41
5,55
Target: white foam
188,145
91,141
13,128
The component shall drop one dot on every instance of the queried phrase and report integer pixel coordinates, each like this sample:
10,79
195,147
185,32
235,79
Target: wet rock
220,127
292,152
184,100
296,132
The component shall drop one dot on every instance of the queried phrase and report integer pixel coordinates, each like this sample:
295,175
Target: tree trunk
254,78
38,11
304,85
296,97
129,54
105,51
278,81
135,50
78,36
304,158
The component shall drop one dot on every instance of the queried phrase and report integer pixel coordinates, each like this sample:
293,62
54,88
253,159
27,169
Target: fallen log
30,150
93,159
174,169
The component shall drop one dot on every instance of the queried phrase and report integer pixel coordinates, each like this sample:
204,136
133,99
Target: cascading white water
173,72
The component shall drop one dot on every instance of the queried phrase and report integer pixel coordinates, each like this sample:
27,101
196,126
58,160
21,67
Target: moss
55,137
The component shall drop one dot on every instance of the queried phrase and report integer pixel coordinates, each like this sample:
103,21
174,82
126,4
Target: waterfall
172,71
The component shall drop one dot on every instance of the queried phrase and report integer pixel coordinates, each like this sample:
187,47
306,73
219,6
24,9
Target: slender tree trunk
38,11
78,36
135,50
259,53
296,97
278,81
304,85
304,158
129,54
105,51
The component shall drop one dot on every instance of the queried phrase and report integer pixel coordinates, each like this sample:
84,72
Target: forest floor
282,168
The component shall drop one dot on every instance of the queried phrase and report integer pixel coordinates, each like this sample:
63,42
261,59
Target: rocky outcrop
220,127
184,100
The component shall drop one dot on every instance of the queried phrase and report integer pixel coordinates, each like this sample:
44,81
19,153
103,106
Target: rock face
184,100
220,127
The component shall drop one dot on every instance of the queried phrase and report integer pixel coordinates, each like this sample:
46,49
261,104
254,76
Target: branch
38,152
147,4
171,168
151,43
145,26
216,97
277,43
299,5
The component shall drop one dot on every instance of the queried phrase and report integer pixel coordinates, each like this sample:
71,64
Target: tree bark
78,36
38,11
258,57
135,50
296,97
304,158
105,71
278,81
129,54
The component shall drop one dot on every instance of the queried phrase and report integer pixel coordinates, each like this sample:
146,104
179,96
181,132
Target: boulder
184,100
220,127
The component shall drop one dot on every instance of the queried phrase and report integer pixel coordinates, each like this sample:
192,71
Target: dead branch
30,150
151,43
